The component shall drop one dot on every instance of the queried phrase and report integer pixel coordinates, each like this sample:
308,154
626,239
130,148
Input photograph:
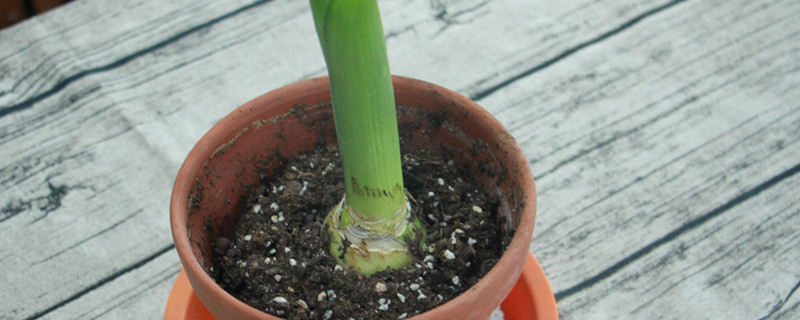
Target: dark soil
277,258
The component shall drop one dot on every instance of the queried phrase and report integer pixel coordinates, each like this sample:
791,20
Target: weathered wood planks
660,155
140,293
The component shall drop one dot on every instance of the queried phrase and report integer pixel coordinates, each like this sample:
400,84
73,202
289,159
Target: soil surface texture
277,259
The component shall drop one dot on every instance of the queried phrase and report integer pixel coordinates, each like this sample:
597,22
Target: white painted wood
638,120
138,294
655,151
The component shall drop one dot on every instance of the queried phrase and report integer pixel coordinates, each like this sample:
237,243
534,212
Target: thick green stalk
375,205
352,39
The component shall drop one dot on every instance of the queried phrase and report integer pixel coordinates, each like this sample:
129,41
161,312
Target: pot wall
214,181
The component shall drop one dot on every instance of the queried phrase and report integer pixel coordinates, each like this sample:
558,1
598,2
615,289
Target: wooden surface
663,136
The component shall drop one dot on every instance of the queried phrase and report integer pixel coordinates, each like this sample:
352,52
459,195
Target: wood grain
137,294
654,137
662,135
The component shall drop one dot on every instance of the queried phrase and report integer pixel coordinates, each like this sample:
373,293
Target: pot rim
219,135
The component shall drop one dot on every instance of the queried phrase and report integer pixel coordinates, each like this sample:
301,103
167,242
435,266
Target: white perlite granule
497,315
280,300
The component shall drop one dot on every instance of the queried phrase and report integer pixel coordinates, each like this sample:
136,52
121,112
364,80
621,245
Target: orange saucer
531,298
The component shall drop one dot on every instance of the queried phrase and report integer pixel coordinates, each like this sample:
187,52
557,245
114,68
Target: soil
277,261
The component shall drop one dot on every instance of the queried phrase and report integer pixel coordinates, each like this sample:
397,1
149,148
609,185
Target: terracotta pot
213,182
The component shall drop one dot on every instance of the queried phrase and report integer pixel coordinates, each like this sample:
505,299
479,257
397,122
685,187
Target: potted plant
371,227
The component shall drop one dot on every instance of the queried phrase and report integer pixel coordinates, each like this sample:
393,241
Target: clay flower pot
213,182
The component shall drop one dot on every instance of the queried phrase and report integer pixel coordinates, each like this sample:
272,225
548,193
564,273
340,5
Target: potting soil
277,259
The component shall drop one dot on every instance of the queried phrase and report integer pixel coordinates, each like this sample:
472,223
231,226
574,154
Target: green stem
374,215
351,36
